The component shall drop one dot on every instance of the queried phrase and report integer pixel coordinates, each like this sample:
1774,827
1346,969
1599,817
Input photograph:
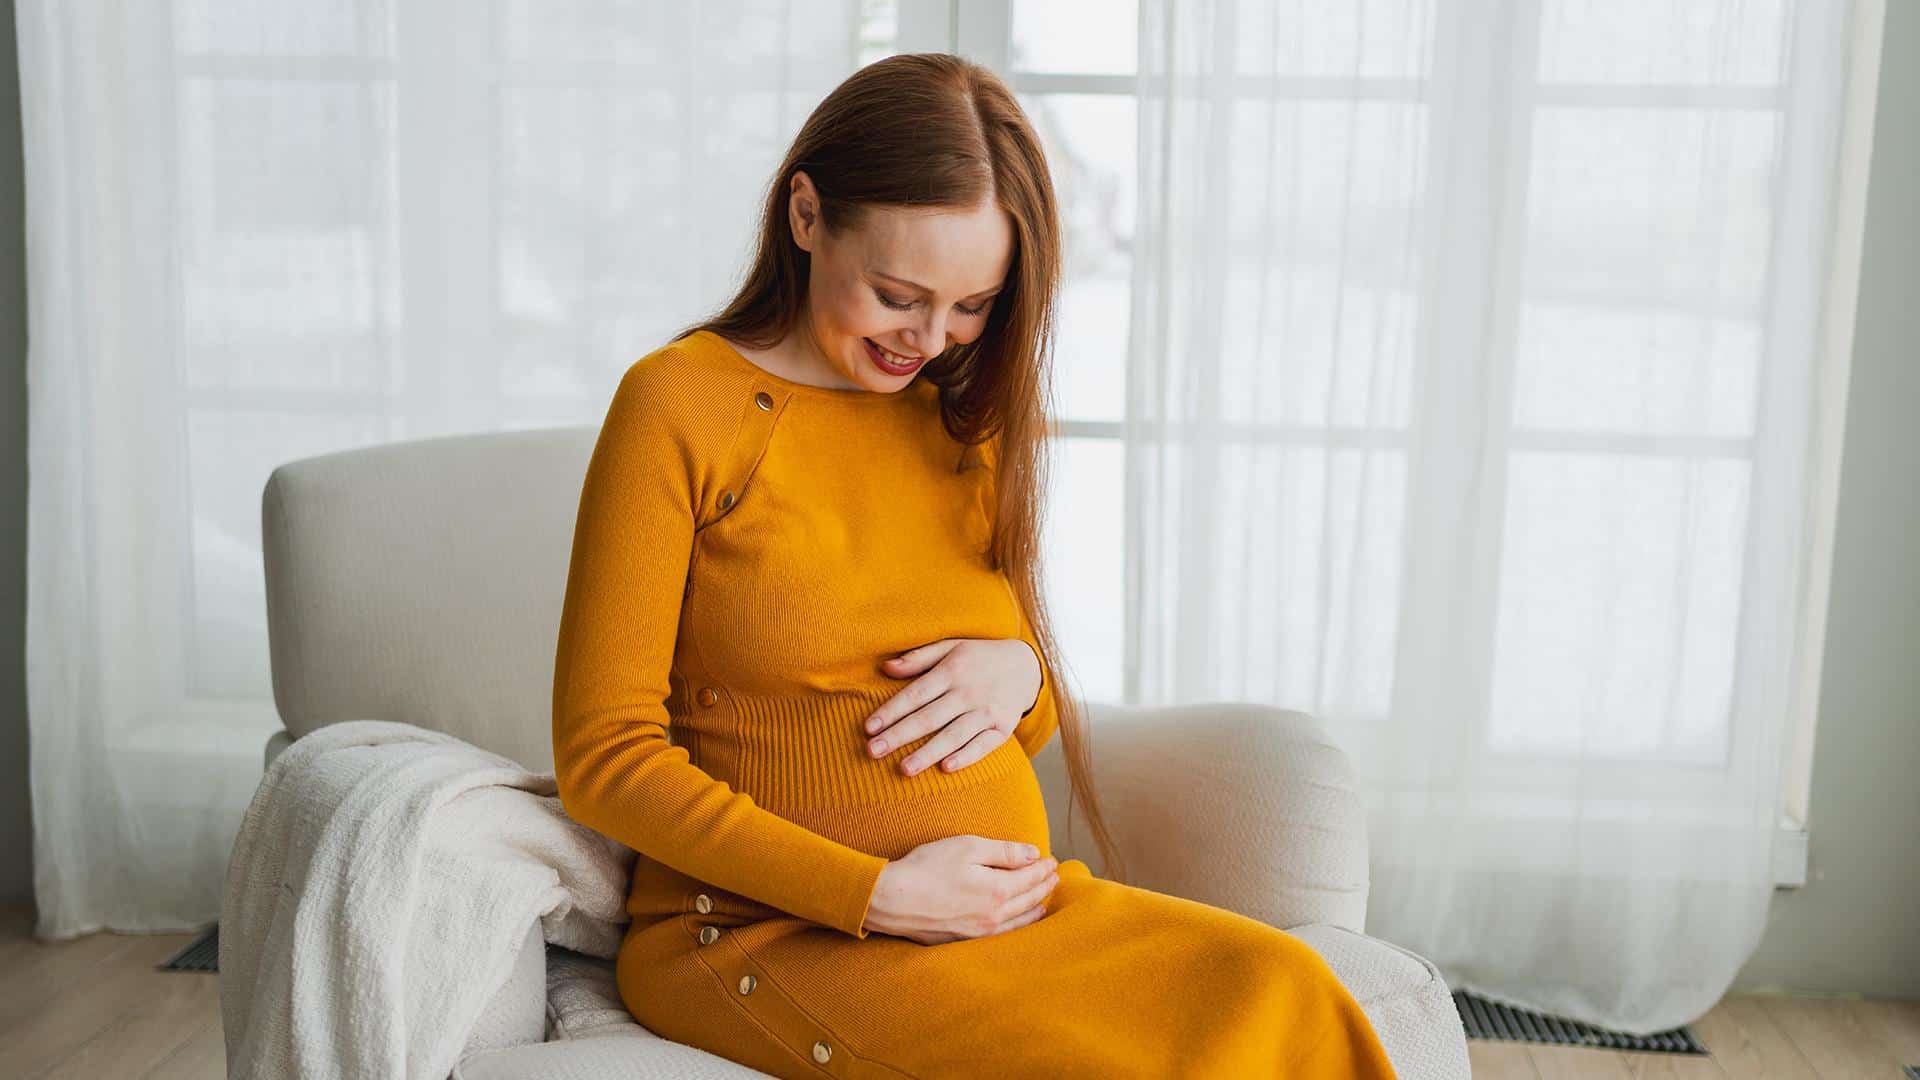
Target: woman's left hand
972,691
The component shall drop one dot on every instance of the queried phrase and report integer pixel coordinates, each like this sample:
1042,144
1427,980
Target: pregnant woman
803,664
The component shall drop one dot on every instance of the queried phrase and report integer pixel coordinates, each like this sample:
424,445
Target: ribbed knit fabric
748,550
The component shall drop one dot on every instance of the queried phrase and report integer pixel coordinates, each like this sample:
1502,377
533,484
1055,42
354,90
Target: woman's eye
897,305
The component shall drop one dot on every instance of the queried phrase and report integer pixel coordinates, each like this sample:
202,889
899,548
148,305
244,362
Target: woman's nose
922,340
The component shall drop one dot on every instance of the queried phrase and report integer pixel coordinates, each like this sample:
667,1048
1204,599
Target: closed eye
897,305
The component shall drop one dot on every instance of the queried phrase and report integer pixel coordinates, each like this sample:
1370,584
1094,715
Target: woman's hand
961,887
973,691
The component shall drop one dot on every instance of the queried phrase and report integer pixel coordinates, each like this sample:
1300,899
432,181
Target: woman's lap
1114,980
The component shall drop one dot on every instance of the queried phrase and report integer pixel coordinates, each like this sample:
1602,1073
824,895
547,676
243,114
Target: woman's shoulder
678,370
673,394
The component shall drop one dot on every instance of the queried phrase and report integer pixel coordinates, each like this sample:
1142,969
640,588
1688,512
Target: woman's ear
803,209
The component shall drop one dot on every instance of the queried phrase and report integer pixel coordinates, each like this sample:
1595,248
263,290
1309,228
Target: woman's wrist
1039,677
884,888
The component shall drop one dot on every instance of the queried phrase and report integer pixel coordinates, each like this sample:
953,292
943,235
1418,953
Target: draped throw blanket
383,881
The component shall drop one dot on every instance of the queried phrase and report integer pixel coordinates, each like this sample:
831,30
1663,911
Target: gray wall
1848,929
16,833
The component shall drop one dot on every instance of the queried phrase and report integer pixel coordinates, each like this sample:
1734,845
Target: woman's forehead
952,252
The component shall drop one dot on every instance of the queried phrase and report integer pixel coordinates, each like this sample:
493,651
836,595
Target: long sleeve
616,769
1038,723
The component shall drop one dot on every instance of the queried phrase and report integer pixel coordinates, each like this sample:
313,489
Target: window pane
1310,346
1089,141
878,33
1641,42
1082,551
1329,182
249,28
1641,371
1307,546
1674,202
1078,37
1272,572
592,209
229,456
1619,605
1363,38
282,281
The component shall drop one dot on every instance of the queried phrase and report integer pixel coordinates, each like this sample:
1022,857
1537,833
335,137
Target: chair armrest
1247,807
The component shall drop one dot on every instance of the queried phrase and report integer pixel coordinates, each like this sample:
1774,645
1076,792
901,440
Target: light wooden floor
95,1007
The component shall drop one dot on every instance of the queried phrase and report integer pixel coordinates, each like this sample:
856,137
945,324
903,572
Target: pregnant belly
813,769
997,797
1004,803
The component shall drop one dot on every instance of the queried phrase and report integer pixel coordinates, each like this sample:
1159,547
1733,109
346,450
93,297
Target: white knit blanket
382,882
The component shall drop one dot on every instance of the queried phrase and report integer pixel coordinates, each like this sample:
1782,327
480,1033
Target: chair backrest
422,582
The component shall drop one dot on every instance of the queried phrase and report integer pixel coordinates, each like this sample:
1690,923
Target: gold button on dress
764,400
707,695
709,935
703,903
821,1052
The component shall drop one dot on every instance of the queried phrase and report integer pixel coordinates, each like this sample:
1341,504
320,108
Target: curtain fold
1470,401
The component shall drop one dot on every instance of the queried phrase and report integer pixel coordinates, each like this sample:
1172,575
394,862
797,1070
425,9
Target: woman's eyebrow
924,289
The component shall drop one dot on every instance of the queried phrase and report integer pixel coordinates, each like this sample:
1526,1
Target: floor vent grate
200,954
1485,1019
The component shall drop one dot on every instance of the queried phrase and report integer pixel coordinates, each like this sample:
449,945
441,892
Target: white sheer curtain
259,231
1473,381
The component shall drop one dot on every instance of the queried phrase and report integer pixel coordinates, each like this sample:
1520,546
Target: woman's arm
617,772
1039,722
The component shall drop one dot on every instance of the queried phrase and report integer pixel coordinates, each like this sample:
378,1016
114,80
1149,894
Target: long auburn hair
934,130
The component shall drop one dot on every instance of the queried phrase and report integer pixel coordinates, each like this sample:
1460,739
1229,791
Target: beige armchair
421,582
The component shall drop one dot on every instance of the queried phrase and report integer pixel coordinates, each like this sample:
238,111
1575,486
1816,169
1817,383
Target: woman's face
911,282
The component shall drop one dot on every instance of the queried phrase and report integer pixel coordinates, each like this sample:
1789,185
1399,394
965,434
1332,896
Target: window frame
981,30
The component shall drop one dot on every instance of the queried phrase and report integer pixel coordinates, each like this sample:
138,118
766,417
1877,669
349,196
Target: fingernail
877,746
1032,852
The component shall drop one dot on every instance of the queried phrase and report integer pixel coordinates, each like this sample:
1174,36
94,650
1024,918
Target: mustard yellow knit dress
748,550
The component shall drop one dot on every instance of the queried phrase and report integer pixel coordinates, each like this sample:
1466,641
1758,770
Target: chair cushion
596,1038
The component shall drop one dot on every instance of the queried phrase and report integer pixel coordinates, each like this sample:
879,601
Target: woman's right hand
961,887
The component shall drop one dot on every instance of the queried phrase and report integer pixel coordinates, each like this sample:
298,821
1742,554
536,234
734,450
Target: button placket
780,1014
733,478
757,418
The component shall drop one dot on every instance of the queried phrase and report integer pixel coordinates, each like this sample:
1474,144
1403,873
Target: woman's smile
886,361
